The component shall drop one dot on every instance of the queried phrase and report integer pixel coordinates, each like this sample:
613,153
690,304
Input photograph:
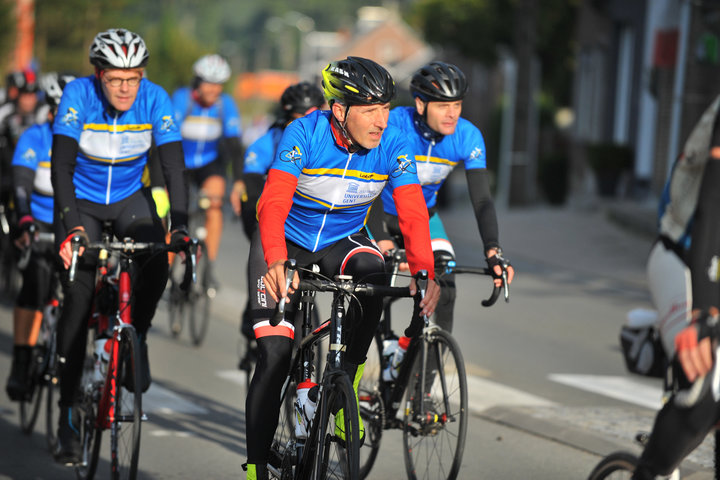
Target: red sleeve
415,227
272,211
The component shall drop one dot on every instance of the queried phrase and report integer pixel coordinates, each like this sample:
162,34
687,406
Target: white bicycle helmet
53,84
118,48
212,69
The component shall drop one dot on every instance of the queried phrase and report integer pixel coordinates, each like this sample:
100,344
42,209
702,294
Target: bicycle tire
177,298
372,407
126,407
90,431
30,404
201,295
283,451
331,457
432,433
53,392
617,465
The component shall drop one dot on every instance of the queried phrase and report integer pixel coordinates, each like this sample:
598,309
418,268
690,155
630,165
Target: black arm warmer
254,183
62,168
705,247
155,169
375,221
236,154
172,161
483,206
23,178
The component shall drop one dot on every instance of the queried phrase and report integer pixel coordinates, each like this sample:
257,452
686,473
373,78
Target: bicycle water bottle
102,358
394,353
307,395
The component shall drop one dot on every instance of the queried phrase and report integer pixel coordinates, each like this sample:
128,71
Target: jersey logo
404,165
29,154
476,153
293,156
70,118
167,123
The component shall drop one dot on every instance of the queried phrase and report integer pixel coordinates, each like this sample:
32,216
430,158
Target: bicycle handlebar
35,237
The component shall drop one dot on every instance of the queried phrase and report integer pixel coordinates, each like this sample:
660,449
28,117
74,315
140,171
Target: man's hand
696,357
179,239
432,295
275,281
25,225
237,195
385,246
66,245
493,261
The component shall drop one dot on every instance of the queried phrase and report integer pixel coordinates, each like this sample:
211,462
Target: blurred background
578,100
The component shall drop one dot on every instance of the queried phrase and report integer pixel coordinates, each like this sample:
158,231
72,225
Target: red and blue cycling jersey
335,188
202,128
113,145
434,160
33,151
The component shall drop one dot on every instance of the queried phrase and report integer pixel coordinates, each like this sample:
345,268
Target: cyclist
691,213
328,168
34,206
439,140
296,101
104,127
210,127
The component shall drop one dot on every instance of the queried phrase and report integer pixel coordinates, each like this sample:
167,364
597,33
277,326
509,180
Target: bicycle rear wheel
617,465
30,405
435,421
283,451
372,407
334,457
201,295
90,431
126,407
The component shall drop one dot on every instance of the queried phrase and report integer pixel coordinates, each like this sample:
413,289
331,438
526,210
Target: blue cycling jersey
33,151
113,145
260,154
335,188
435,161
203,127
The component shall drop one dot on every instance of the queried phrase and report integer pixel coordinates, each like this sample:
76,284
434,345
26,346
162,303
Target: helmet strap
342,137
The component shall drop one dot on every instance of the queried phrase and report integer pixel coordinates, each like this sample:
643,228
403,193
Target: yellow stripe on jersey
424,158
44,164
348,173
110,160
325,204
104,127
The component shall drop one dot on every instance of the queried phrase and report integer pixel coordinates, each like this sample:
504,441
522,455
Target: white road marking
161,400
171,433
618,387
484,394
235,376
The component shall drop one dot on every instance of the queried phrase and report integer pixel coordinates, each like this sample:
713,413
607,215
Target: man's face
26,102
208,93
122,95
441,116
365,123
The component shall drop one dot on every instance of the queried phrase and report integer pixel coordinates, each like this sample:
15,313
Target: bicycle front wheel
126,407
201,294
372,407
30,405
617,465
177,298
90,430
435,421
334,442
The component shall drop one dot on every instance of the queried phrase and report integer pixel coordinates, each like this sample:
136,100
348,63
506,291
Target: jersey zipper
113,137
322,225
201,143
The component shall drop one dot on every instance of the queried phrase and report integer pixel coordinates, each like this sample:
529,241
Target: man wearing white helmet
210,127
104,128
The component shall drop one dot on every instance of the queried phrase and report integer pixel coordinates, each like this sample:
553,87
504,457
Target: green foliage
7,27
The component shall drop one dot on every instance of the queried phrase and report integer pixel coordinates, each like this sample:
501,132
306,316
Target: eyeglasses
116,82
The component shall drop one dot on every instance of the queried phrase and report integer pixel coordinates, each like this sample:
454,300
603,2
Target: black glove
499,261
179,239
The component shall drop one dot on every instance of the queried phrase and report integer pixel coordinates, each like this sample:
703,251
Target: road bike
428,399
192,306
42,375
322,454
112,400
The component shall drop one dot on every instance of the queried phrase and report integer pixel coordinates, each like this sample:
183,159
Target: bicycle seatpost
291,267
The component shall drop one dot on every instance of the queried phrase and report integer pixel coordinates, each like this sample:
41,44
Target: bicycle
43,365
432,386
192,306
321,455
113,400
621,464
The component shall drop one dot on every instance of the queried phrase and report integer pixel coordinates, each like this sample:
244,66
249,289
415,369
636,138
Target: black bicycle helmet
118,48
357,81
439,82
301,97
